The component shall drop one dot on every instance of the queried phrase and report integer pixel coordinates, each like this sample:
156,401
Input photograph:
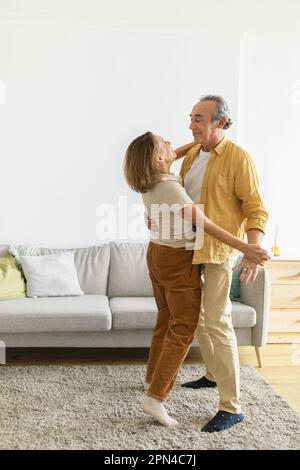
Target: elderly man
221,175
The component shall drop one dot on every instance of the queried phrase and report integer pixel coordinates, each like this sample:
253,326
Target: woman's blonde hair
139,167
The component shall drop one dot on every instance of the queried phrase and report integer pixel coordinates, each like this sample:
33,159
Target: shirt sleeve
247,191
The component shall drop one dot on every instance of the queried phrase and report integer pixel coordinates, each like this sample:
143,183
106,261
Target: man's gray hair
222,109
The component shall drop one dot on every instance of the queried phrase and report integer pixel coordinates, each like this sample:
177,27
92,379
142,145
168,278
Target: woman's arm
181,151
254,252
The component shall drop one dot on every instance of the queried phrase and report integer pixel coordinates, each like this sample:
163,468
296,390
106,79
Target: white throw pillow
51,275
23,250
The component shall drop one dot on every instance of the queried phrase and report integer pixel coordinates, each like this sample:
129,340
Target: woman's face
164,150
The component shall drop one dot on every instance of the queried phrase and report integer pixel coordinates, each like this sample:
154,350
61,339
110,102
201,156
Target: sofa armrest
257,295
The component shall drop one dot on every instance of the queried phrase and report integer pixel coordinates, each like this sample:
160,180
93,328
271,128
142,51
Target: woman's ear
157,157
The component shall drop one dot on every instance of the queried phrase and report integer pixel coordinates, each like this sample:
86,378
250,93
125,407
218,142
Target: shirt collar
220,146
170,177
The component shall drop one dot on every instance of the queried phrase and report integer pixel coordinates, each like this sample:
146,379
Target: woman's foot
156,409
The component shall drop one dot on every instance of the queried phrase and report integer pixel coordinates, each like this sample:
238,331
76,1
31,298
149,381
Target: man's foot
200,383
156,409
223,420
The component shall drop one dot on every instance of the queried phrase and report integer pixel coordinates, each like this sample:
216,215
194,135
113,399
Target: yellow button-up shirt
230,195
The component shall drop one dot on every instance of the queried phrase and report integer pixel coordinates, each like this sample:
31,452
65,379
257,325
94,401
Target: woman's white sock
156,409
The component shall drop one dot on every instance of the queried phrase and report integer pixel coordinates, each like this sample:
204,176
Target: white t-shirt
194,177
162,204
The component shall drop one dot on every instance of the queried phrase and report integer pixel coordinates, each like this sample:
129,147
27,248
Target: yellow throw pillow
12,281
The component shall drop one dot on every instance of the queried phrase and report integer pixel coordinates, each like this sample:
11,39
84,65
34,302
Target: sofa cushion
92,264
4,250
83,313
235,282
51,275
128,273
23,250
140,312
133,312
12,281
243,316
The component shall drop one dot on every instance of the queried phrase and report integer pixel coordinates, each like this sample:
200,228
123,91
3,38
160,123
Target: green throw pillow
12,282
235,283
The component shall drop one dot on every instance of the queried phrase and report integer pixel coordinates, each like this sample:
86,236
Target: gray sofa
118,309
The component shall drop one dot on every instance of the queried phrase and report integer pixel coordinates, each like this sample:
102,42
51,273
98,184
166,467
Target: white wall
85,77
269,125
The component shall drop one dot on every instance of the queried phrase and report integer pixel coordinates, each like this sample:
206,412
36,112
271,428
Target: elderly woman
175,280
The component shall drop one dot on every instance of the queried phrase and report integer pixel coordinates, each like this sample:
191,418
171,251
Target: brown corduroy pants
176,288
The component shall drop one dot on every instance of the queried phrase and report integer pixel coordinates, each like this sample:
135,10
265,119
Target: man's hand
251,273
255,237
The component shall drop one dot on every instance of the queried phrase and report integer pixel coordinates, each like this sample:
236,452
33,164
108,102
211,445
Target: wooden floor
281,362
281,368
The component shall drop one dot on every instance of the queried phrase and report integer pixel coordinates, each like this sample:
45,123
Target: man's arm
255,236
247,190
252,251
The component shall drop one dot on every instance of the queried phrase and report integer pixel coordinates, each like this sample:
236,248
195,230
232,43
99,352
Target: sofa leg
258,351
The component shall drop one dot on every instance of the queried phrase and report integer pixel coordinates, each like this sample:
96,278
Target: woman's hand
255,253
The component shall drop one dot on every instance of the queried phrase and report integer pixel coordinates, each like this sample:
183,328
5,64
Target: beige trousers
216,336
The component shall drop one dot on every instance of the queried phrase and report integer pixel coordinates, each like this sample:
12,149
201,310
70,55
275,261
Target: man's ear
221,123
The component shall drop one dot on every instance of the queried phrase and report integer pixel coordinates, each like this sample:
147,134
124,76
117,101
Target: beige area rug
97,407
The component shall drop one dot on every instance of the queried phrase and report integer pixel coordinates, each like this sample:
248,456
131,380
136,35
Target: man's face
202,127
